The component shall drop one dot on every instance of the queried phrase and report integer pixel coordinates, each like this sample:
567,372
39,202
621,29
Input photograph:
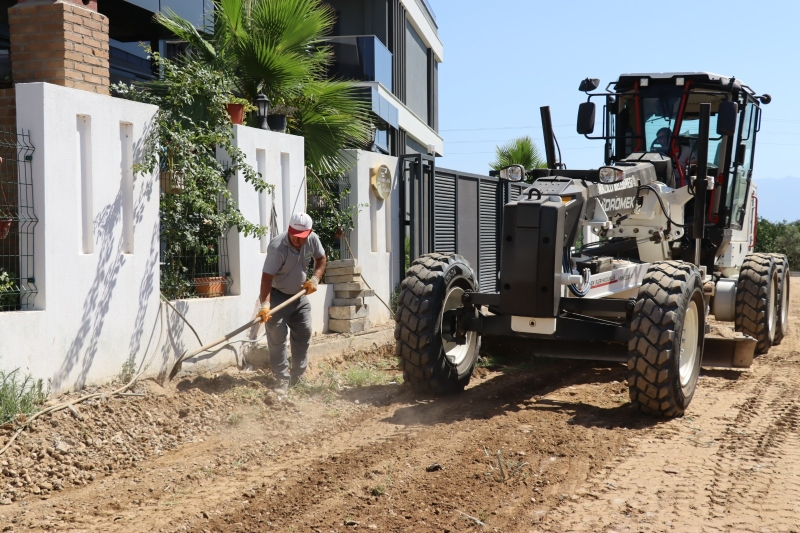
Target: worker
284,275
661,142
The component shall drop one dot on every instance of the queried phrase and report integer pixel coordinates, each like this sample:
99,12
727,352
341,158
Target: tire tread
650,348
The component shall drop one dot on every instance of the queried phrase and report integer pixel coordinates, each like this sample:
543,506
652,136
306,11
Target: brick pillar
64,42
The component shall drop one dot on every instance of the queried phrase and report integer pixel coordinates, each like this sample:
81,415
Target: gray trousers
294,319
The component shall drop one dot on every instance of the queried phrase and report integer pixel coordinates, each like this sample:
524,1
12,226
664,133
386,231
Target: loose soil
532,445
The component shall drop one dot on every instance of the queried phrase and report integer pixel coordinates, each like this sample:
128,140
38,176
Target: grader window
660,112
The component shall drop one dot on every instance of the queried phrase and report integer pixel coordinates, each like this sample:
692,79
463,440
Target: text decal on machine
627,183
612,204
619,202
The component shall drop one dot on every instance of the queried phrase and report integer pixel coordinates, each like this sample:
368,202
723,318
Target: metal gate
448,211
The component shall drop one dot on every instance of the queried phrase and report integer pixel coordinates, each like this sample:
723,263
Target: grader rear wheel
782,266
434,284
757,300
667,336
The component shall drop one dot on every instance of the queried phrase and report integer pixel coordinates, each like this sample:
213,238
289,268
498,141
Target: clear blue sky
505,58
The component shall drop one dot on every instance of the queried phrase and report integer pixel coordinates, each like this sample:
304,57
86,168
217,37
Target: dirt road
530,446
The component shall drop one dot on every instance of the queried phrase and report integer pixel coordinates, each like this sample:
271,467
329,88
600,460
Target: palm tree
276,47
520,151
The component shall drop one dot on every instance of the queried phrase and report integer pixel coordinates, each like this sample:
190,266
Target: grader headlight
610,175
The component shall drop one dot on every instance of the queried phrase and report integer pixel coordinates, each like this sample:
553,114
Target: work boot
281,387
296,380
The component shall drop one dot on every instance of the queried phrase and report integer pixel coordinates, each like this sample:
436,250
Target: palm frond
331,115
521,151
186,31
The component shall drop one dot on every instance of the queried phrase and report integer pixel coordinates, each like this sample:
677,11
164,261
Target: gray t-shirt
290,265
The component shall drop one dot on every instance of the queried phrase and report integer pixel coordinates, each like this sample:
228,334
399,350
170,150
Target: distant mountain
779,198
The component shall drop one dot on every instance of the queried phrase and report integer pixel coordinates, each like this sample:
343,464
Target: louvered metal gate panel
455,212
444,209
489,221
512,191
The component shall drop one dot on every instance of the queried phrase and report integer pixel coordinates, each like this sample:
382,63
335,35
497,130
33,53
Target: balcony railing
362,58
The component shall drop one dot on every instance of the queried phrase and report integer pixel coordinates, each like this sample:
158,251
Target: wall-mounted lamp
262,104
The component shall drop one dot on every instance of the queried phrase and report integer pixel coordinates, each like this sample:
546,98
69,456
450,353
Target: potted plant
172,181
276,120
210,287
237,107
5,225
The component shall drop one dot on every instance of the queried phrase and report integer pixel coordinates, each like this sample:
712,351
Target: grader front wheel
667,336
434,284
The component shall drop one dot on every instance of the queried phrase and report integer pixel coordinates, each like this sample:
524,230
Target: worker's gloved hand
311,285
263,313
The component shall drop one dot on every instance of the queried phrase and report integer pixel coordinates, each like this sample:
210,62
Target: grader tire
756,300
782,329
667,336
424,362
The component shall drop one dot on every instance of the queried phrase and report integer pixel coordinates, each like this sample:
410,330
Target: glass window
660,112
741,174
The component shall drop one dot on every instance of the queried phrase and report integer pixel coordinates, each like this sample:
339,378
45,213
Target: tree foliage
190,126
331,220
277,47
780,237
521,151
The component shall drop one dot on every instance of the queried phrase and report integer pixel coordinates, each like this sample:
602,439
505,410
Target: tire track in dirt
593,463
168,494
385,485
731,464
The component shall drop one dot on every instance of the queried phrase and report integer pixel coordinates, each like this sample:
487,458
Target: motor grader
626,262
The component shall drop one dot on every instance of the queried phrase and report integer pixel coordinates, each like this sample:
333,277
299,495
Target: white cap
300,225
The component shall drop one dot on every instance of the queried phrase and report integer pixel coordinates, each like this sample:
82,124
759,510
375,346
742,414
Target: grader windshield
660,113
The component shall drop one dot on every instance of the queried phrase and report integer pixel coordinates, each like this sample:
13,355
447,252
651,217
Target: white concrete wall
375,241
98,291
97,244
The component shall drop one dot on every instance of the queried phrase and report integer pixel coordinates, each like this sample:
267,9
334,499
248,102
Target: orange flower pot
210,287
236,111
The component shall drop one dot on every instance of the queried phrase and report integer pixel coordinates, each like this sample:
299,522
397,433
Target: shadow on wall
110,260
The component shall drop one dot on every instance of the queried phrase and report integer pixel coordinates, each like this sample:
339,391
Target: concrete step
349,286
348,326
342,263
348,312
350,278
348,271
344,302
353,294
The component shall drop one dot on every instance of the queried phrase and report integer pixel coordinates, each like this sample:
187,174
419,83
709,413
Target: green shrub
19,396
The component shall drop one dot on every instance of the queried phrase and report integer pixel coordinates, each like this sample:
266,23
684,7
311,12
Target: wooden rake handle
228,336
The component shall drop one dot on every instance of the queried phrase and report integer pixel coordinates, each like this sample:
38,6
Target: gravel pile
75,447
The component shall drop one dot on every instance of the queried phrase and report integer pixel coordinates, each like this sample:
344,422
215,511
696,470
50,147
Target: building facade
392,48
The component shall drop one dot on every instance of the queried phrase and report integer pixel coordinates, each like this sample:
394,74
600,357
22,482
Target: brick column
64,42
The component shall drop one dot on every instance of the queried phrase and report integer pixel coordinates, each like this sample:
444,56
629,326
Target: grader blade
729,352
